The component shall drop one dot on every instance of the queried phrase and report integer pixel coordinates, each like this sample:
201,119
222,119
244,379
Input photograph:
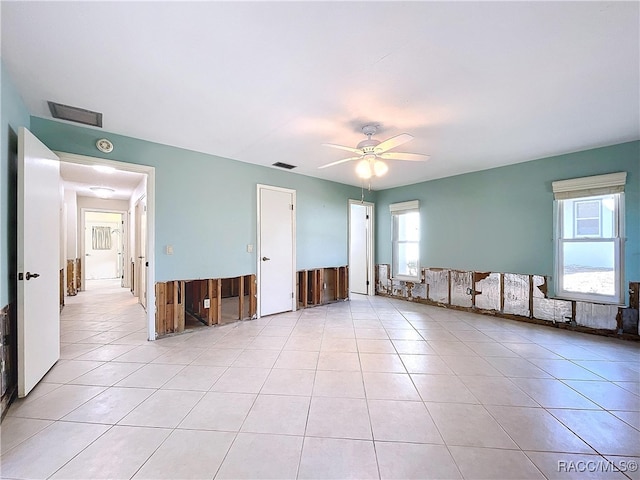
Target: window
587,218
405,261
589,232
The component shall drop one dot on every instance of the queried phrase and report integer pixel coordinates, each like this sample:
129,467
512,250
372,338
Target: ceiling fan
371,152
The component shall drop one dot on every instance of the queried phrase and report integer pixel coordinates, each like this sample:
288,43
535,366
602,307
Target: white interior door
141,244
39,205
360,248
276,252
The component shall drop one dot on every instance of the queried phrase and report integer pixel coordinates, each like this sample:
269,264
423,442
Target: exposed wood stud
253,300
210,310
530,296
219,300
240,298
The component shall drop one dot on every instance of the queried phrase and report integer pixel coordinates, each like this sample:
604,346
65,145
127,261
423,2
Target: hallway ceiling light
104,169
102,192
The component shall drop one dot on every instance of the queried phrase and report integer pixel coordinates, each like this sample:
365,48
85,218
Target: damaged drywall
548,308
438,281
504,294
488,291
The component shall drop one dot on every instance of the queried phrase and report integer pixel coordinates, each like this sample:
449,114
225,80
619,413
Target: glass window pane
407,259
588,209
588,227
409,227
589,267
589,217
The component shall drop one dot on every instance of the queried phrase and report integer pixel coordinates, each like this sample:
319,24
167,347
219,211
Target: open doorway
361,279
110,220
104,246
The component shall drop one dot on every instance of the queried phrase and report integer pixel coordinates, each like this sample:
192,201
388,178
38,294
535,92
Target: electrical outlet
249,248
207,303
169,250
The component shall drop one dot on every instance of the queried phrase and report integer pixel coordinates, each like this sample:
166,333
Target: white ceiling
478,84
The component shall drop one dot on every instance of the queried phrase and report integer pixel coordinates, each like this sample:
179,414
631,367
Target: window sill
589,299
402,278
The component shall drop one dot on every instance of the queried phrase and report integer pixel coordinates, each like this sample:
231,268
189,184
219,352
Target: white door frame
151,222
83,246
142,293
371,288
259,187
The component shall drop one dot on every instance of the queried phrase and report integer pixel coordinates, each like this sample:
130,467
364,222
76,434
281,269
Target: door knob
264,259
30,275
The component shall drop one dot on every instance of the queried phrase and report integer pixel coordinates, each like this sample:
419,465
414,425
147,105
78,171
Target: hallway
370,388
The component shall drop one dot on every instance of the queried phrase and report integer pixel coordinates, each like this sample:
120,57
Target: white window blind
403,206
589,186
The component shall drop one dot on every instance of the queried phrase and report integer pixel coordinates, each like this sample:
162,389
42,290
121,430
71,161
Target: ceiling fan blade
340,161
393,142
410,157
342,147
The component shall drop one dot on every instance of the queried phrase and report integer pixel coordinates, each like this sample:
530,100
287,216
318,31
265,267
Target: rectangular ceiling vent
284,165
75,114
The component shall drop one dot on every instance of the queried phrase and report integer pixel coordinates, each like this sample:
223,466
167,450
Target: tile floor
371,388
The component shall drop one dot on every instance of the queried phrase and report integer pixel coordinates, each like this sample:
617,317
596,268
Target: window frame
583,189
398,209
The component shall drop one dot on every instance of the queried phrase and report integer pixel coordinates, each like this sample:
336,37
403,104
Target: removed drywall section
488,290
594,315
546,308
437,280
186,304
461,286
514,296
320,286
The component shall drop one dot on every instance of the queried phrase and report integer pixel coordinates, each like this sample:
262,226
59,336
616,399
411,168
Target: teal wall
206,205
501,219
13,115
493,220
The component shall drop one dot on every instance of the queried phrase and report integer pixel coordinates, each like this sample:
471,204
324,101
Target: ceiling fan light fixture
363,169
380,168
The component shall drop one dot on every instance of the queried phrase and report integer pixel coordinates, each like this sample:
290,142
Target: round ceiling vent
104,145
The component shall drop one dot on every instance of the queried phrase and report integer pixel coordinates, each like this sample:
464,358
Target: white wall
139,192
71,205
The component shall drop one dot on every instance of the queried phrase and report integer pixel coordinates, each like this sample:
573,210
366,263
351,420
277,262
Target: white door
360,247
276,252
38,260
141,248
